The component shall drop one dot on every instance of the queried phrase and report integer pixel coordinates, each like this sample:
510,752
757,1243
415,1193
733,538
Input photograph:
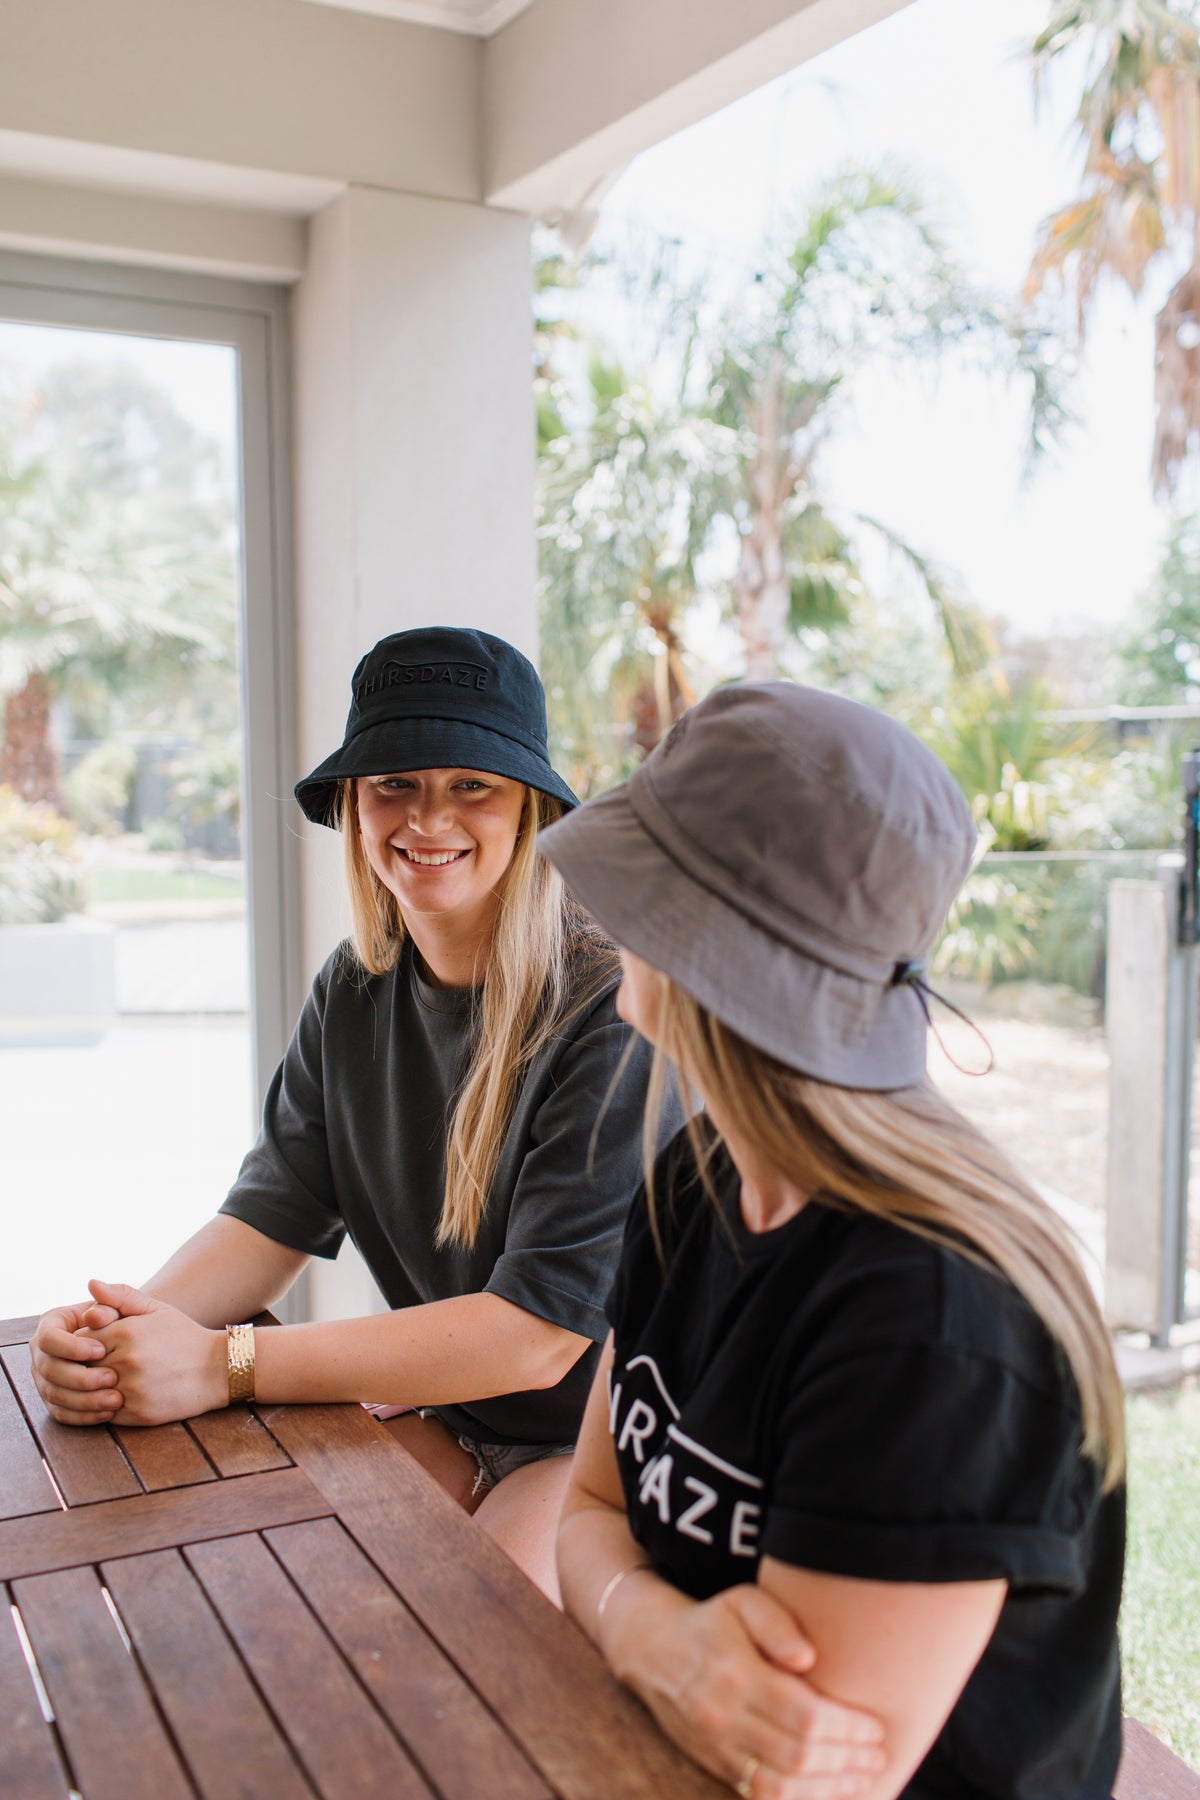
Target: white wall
414,454
414,458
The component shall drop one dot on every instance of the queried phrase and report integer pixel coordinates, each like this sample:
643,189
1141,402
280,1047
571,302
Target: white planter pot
57,982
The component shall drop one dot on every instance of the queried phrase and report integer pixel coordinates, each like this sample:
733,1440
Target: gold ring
745,1786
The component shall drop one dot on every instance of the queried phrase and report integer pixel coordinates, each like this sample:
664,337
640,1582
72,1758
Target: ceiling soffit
477,18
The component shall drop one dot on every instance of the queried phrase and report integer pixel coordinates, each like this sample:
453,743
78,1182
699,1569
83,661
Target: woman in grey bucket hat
857,1431
436,1104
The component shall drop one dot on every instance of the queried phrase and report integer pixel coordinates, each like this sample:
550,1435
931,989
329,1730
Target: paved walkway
1045,1102
112,1154
184,966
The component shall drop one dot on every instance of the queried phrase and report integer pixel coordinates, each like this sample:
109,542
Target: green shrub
1003,750
39,882
208,784
164,834
99,785
1040,920
1016,816
1130,801
991,932
1035,921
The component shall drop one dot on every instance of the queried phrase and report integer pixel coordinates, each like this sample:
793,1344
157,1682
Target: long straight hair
909,1157
548,963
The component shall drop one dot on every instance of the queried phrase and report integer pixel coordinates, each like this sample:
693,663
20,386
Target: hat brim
396,745
817,1020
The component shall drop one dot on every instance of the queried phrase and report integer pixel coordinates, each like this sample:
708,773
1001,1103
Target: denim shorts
495,1461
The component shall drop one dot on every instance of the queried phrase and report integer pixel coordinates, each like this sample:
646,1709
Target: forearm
226,1273
595,1544
724,1677
600,1563
901,1650
448,1351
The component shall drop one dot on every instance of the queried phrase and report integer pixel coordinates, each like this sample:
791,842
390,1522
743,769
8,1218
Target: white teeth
433,859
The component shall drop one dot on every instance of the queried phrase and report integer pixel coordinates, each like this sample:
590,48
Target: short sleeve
932,1463
578,1178
285,1186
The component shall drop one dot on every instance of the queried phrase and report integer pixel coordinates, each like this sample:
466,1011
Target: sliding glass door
146,915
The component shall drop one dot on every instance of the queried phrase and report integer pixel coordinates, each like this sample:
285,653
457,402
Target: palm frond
963,626
1176,382
1139,123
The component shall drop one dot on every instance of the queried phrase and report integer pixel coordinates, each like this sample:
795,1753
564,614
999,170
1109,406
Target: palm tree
864,277
626,507
697,482
1139,120
553,275
114,562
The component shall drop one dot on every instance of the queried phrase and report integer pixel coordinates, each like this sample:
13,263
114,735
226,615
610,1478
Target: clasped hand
725,1678
127,1358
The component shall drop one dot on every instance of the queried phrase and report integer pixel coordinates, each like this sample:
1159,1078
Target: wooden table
271,1603
275,1602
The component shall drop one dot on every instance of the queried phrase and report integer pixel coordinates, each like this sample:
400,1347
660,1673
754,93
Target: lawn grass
1160,1617
105,885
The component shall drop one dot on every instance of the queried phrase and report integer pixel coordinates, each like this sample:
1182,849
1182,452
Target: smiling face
441,840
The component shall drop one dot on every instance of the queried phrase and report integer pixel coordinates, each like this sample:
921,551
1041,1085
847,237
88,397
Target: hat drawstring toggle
912,974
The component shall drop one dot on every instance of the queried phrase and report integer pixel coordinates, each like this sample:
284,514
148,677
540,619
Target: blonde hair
549,962
909,1157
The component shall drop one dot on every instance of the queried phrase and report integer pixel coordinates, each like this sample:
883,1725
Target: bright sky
942,89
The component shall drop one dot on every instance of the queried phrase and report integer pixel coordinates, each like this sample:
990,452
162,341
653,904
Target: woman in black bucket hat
857,1434
438,1103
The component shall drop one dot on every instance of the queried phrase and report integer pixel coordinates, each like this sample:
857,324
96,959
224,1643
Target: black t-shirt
353,1140
845,1396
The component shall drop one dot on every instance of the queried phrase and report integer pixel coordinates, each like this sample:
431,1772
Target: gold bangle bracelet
239,1346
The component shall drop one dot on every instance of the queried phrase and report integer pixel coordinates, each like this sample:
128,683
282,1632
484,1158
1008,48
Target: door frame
252,319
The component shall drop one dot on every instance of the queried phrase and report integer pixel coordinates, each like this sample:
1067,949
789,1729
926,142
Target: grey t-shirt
353,1140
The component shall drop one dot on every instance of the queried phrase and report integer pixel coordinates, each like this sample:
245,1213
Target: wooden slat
113,1736
18,1331
86,1461
441,1721
235,1441
225,1734
85,1534
165,1456
344,1745
29,1765
1149,1771
24,1485
546,1683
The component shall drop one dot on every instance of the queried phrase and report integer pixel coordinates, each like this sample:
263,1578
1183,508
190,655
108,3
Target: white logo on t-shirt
689,1487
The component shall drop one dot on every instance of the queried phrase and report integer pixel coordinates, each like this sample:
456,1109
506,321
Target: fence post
1151,1019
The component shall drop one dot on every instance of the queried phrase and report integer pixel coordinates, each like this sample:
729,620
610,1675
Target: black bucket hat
439,698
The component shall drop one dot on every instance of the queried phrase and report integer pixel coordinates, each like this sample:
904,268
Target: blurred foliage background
684,540
118,629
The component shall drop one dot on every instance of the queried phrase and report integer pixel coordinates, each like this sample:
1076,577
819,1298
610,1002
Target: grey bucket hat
787,857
